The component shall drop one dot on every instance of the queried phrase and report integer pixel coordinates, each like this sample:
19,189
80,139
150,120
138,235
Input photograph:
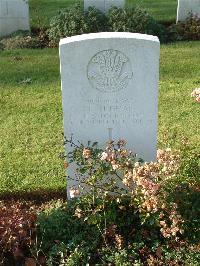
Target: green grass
31,114
179,75
30,121
162,10
41,11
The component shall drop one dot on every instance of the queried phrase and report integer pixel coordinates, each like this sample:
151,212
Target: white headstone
110,89
14,15
103,5
185,7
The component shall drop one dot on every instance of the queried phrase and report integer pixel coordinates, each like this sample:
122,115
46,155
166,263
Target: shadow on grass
39,196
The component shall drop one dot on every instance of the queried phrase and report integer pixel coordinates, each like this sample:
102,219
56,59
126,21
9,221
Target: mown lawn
162,10
42,11
30,121
31,113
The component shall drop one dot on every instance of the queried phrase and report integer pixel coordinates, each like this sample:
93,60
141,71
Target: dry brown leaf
30,262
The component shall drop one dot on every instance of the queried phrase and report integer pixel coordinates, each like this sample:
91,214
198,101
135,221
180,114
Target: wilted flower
151,204
86,153
104,156
115,166
78,212
173,227
148,186
165,233
119,241
121,142
161,215
168,161
111,155
74,192
125,181
124,153
137,164
196,94
66,164
160,153
163,223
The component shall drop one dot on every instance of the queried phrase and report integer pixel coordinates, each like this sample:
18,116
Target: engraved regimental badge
109,71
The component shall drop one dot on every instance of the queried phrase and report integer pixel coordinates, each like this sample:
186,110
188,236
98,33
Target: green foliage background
162,10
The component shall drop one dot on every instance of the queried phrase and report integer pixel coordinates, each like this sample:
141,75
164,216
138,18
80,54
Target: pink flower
174,230
114,165
104,156
74,192
160,154
137,164
166,235
86,153
161,215
125,181
196,94
163,223
121,142
78,212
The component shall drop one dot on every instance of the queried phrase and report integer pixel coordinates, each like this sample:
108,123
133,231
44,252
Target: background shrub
21,39
134,20
74,21
188,30
95,21
67,23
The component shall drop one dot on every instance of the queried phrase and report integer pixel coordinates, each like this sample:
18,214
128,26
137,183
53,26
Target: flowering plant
115,179
196,95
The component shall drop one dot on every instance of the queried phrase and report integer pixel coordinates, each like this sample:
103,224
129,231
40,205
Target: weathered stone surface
185,7
14,15
103,5
109,90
